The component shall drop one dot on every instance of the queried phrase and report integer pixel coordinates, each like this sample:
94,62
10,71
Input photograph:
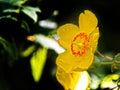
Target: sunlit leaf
11,11
31,12
18,2
28,51
37,63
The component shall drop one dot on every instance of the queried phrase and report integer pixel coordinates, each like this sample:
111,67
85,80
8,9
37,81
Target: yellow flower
110,81
74,80
80,43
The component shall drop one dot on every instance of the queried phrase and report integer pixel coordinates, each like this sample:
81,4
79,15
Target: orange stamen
82,48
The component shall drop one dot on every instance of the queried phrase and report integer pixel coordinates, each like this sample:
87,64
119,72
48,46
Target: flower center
79,44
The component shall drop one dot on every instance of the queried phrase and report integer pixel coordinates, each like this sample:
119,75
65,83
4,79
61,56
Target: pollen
79,44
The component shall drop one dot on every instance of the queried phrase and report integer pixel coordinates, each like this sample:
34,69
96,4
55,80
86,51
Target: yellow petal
74,80
94,39
69,62
83,81
64,78
87,21
66,34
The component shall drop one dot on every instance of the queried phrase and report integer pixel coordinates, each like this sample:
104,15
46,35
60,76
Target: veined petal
66,34
87,21
85,61
64,78
74,80
69,62
94,39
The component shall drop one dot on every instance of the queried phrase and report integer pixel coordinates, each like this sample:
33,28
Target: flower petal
66,34
64,78
69,62
87,21
94,39
83,81
73,81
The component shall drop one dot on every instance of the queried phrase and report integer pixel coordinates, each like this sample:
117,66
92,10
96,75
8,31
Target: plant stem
100,53
106,63
106,57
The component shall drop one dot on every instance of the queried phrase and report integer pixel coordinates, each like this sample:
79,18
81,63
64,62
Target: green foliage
116,62
17,11
11,11
5,1
25,25
28,51
31,12
117,57
9,48
18,2
37,63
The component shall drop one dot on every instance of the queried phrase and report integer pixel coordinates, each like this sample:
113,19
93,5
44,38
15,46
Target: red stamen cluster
81,51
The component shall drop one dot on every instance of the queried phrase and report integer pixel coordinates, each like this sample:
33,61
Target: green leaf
25,26
116,64
18,2
97,62
37,63
28,51
117,57
31,12
9,48
9,16
11,11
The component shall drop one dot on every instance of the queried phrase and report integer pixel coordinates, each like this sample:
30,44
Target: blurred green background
21,18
